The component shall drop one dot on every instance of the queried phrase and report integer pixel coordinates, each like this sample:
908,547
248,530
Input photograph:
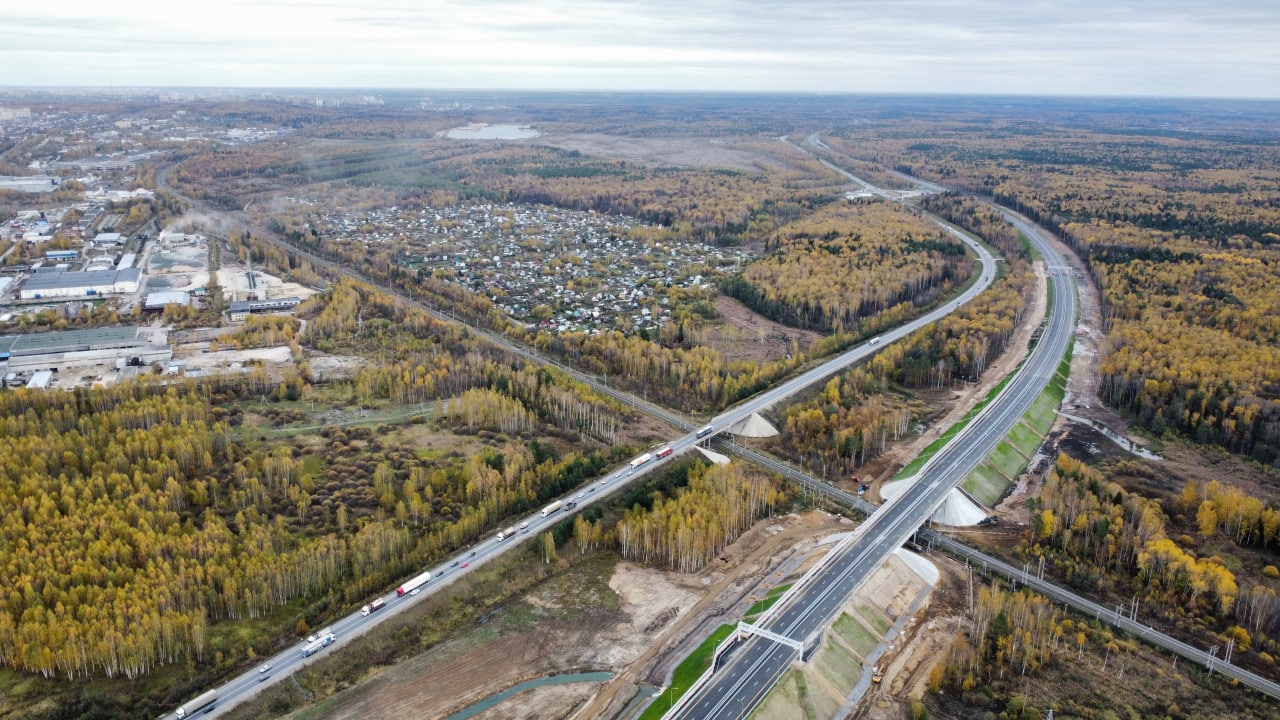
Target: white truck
200,702
324,639
552,508
373,607
504,534
641,460
413,584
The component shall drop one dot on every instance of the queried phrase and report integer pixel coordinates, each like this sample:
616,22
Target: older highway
249,683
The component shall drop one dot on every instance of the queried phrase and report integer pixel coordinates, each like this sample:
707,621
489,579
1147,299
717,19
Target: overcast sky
1092,47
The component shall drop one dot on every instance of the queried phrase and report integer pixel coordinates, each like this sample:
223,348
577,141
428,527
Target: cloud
1140,47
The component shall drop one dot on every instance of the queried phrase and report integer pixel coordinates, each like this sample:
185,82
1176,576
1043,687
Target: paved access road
803,614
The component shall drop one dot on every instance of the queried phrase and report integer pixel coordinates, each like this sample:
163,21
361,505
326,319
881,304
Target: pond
494,699
483,131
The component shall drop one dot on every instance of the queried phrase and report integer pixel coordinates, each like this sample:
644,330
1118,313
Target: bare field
731,153
594,617
747,335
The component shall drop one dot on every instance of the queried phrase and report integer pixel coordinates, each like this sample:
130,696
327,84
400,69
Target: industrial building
156,301
80,284
81,348
241,309
108,239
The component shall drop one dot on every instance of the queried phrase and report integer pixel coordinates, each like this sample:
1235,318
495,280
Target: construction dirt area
616,617
747,335
637,622
879,632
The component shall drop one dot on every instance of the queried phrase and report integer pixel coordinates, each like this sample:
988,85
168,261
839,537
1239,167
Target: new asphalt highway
750,670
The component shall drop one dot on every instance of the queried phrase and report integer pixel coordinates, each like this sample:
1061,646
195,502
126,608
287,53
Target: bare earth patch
747,335
573,629
732,153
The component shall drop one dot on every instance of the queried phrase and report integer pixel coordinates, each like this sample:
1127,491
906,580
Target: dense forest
1103,538
142,518
1180,233
852,265
858,413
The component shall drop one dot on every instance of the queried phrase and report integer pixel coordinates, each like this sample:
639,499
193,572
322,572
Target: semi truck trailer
201,701
325,639
504,534
552,508
373,607
413,584
641,460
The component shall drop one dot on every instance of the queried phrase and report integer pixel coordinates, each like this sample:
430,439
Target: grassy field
1042,413
878,622
986,484
837,666
1026,440
766,602
687,673
854,633
1007,460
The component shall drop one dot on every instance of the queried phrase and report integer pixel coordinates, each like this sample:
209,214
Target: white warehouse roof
64,280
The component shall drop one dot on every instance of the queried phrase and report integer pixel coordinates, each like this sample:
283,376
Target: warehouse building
82,348
239,310
156,301
80,284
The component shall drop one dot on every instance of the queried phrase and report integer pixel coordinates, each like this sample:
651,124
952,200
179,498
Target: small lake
481,131
492,700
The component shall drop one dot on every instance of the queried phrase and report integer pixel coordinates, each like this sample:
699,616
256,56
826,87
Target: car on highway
265,667
466,564
582,495
415,591
264,677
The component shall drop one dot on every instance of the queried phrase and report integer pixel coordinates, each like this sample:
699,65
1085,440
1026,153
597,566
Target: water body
481,131
492,700
1115,437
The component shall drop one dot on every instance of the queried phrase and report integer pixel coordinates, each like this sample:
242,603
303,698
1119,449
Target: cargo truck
200,702
641,460
504,534
413,584
325,639
552,508
373,607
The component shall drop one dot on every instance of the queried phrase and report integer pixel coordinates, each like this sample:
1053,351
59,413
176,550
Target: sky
1172,48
